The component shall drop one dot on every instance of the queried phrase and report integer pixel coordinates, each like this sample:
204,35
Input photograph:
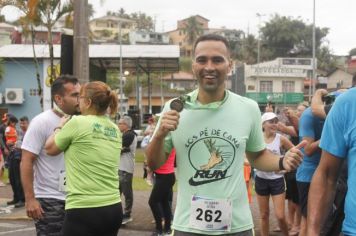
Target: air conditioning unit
14,95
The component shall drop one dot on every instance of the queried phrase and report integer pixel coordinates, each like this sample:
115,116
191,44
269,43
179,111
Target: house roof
148,57
113,18
4,25
195,16
181,75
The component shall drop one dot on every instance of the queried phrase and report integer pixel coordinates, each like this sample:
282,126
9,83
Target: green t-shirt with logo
210,143
92,146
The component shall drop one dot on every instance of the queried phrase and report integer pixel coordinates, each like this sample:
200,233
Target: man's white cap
268,116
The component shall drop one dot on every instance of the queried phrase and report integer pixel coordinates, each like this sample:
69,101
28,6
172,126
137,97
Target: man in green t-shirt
211,136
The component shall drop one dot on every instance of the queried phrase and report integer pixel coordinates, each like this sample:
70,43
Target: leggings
160,196
103,221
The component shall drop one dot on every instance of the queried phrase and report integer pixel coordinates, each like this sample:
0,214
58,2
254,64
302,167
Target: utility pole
314,61
81,41
259,37
121,73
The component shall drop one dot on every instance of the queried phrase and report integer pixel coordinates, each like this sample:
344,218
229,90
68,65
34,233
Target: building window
251,87
288,86
266,86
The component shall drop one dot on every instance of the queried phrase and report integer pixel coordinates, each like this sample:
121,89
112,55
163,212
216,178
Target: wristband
280,163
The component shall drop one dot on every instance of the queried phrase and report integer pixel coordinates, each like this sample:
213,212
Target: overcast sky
338,15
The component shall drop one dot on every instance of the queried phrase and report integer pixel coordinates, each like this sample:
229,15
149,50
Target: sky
339,16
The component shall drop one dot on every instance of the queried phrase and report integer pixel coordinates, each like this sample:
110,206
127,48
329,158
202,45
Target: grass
5,177
139,157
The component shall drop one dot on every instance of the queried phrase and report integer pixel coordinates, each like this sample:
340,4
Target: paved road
27,228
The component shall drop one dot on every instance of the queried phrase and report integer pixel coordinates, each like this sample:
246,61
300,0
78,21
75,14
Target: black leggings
160,197
103,221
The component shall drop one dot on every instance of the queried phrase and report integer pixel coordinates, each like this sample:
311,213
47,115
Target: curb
18,214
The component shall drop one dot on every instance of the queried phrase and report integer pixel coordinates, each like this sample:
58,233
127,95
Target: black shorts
303,189
103,221
292,188
266,187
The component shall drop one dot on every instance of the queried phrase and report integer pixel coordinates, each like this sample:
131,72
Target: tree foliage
185,64
285,36
352,52
143,21
247,50
192,29
326,61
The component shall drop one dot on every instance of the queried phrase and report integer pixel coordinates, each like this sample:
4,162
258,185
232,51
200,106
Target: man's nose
209,65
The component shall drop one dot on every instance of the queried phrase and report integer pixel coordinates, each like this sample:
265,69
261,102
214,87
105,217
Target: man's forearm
320,198
155,153
27,178
265,161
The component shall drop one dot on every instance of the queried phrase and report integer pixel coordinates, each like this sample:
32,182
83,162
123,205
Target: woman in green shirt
91,144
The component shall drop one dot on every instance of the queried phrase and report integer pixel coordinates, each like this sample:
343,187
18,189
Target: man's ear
58,99
230,65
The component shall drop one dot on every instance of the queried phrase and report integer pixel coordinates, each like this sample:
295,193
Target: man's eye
218,60
201,60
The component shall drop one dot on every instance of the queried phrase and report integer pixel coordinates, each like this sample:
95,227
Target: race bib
62,181
210,214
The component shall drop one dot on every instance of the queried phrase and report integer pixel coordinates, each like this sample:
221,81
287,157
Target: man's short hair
354,80
24,118
211,37
57,87
127,120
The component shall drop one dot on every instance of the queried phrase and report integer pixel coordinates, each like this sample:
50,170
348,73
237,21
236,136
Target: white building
280,81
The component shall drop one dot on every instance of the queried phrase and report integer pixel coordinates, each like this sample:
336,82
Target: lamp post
121,82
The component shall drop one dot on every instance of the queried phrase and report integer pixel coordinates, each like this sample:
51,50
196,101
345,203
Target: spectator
338,143
43,176
310,128
127,165
162,194
270,183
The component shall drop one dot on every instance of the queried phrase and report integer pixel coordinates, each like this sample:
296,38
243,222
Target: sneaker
168,233
20,204
126,220
149,182
157,233
12,202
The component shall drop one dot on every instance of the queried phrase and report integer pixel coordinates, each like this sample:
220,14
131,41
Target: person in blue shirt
310,128
338,143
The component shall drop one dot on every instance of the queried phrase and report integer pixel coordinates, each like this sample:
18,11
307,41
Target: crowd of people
71,165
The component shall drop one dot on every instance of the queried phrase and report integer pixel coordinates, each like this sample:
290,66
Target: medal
177,104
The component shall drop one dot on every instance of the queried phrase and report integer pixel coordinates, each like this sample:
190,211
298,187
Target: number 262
208,215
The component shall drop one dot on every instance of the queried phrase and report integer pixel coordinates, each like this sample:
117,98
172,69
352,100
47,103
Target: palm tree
45,12
50,11
27,22
193,30
249,50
